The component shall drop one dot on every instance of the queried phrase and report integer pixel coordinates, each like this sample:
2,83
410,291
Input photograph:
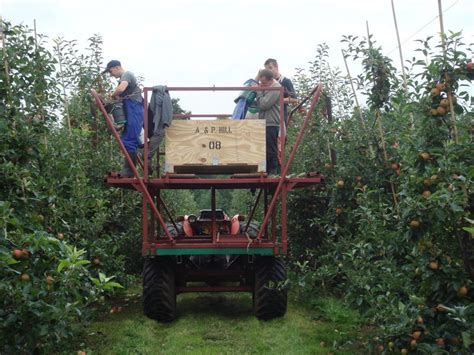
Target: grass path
224,324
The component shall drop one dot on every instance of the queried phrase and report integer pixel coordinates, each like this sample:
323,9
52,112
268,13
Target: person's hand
114,97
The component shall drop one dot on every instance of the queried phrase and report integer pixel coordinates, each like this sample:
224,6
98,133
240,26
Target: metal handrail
317,94
301,103
130,163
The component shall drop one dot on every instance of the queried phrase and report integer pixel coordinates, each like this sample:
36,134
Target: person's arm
267,99
119,89
291,99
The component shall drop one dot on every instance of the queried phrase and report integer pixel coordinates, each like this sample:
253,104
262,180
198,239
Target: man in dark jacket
289,94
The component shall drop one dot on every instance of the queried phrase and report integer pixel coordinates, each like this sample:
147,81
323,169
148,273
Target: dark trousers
153,146
273,166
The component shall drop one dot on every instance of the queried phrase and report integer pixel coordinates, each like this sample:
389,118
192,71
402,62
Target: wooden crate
215,147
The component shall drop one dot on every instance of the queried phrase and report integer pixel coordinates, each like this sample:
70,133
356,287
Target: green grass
224,324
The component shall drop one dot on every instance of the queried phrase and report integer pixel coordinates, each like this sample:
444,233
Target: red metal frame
276,187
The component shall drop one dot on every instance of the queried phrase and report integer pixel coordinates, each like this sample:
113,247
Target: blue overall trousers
131,134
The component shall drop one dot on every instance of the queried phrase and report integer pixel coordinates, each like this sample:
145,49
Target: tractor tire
174,233
159,289
270,295
253,229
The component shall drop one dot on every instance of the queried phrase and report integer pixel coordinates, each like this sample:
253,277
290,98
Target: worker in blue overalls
129,92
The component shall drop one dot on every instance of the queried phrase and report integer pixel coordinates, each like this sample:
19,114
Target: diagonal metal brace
317,93
143,188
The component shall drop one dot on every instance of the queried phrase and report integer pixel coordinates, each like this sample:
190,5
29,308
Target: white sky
223,43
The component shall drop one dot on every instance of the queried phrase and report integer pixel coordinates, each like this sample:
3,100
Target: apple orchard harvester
211,251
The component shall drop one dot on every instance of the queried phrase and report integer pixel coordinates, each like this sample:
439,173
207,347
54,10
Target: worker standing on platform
268,103
289,93
129,92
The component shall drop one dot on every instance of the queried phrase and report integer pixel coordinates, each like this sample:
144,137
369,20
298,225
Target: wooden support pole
36,36
329,117
336,92
5,54
353,91
378,119
41,108
441,26
61,73
450,93
361,116
405,84
400,51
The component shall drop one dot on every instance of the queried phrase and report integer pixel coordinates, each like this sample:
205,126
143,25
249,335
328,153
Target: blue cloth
131,134
243,101
240,109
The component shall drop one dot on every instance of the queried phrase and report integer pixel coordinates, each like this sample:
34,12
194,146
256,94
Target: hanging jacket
160,110
243,101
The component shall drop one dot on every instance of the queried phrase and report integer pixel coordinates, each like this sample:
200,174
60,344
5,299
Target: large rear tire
253,229
270,296
174,233
159,289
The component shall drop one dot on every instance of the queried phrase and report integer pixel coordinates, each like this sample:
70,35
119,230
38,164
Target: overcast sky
223,43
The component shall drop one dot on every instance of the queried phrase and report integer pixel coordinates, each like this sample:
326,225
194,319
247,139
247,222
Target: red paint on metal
284,212
188,230
213,222
235,241
201,115
215,88
254,208
204,184
165,207
290,160
130,162
276,187
235,225
281,149
300,104
145,128
214,289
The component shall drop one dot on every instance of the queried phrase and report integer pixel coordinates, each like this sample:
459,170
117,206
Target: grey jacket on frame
160,110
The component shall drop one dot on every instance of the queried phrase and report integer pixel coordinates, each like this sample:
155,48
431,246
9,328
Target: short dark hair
271,61
266,73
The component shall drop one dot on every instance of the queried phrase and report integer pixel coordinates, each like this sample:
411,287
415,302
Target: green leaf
62,265
82,262
469,229
466,339
102,277
8,259
95,281
111,285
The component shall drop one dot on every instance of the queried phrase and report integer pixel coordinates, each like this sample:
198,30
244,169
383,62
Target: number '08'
215,145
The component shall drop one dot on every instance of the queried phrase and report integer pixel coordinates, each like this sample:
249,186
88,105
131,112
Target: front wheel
270,295
159,289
